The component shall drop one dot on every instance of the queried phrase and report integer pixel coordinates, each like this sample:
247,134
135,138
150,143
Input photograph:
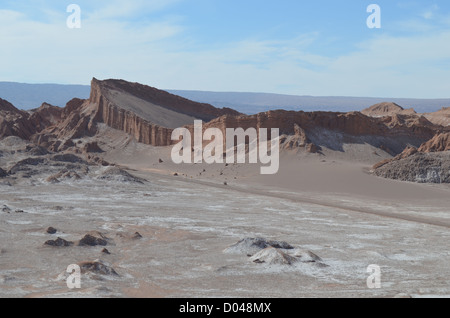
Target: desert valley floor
187,225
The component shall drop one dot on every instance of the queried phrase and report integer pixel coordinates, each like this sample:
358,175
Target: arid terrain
93,184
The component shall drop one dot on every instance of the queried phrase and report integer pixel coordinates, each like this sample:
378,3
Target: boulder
59,242
90,240
51,230
97,267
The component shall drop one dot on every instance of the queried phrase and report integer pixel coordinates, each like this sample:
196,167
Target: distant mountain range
29,96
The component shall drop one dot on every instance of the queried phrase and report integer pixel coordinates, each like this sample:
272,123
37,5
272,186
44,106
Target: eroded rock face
150,115
176,103
430,163
419,167
14,122
440,142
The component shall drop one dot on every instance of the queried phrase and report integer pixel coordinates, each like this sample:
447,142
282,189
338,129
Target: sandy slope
333,178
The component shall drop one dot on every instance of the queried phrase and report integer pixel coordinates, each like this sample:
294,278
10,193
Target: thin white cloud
128,9
161,53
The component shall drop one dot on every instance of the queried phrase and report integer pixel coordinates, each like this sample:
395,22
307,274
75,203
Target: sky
319,48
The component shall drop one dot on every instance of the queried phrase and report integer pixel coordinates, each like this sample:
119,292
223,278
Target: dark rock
58,242
160,160
89,240
92,147
51,230
6,209
68,158
97,267
35,150
105,251
3,173
24,164
136,236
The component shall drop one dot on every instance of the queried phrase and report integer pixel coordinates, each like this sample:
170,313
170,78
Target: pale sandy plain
326,203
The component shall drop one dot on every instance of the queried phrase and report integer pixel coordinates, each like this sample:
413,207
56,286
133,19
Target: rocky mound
59,242
97,267
94,238
250,246
427,164
273,256
418,167
386,109
118,175
262,251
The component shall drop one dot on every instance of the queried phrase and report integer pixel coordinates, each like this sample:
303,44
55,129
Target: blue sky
321,47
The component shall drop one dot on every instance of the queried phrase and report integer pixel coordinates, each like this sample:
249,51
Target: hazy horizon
28,96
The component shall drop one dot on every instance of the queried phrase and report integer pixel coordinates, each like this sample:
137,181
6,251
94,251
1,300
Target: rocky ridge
150,115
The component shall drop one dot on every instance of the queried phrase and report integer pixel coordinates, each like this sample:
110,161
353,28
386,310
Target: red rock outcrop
203,111
353,123
45,116
14,122
440,142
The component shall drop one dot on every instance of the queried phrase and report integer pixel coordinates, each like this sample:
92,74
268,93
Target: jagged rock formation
318,129
430,163
146,113
440,142
14,122
150,115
